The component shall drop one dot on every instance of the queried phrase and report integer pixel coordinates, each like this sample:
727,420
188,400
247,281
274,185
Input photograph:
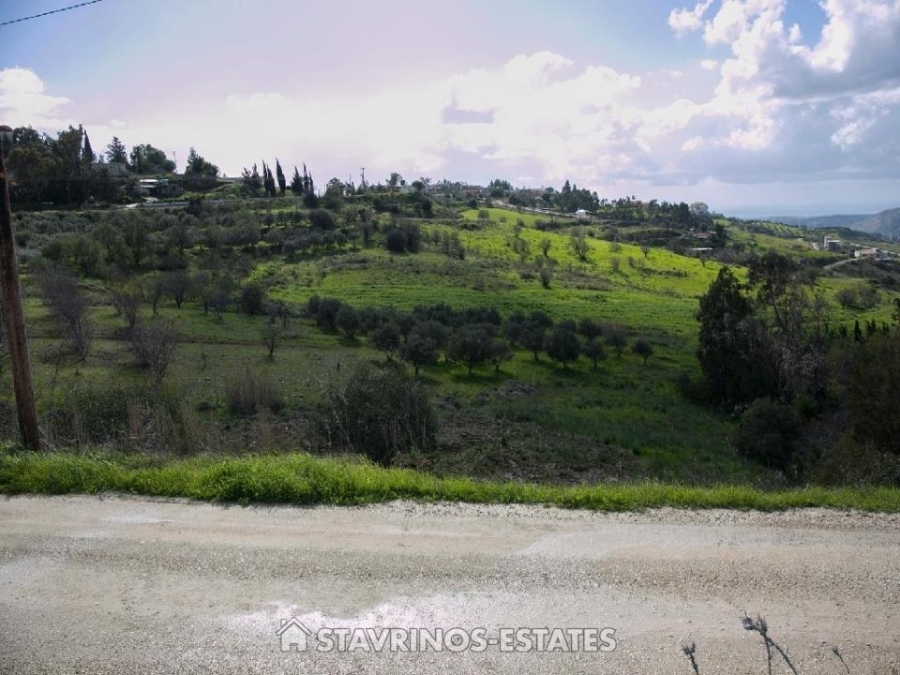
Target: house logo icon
294,634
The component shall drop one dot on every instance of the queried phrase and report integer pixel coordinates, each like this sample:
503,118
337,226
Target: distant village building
831,244
581,214
867,253
474,191
158,187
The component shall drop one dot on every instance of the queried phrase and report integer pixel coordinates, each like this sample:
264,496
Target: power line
52,11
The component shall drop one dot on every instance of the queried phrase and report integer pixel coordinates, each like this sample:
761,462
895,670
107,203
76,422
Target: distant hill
817,222
885,223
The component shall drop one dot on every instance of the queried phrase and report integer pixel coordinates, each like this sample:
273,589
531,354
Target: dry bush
153,345
69,306
378,413
250,391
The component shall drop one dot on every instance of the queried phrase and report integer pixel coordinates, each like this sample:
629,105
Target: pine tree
197,165
251,181
282,184
115,151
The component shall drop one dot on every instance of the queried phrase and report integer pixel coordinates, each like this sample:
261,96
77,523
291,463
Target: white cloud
794,109
684,21
777,107
23,101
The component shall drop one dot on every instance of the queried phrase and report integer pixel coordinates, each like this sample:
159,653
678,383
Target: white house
581,214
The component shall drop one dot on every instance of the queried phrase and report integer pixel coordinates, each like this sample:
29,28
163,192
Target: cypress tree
297,183
282,183
87,155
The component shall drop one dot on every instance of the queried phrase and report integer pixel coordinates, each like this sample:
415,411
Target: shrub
347,320
250,391
871,391
769,433
127,304
326,313
563,345
321,219
851,462
413,238
69,306
395,240
590,328
531,337
89,416
271,334
252,299
424,343
643,349
312,305
616,338
594,351
452,246
545,273
154,347
580,246
545,245
378,413
386,337
471,344
847,297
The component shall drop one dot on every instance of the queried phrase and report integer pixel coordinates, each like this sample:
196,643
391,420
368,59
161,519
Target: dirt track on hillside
119,585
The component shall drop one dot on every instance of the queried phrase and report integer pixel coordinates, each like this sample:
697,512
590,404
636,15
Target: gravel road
118,585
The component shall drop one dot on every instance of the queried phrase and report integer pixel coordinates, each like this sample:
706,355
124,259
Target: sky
757,107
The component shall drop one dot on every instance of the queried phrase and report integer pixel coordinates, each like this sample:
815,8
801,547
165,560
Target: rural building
831,244
157,187
581,214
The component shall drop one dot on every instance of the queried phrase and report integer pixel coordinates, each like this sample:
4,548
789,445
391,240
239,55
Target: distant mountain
816,222
885,223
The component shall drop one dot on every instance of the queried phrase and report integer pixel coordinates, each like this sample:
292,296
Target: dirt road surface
118,586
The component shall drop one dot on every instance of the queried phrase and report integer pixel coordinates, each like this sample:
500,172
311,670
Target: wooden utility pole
15,320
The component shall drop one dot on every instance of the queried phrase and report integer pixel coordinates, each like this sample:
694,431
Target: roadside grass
305,479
